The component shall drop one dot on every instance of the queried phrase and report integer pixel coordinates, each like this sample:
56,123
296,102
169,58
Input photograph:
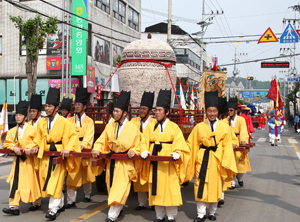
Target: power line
88,20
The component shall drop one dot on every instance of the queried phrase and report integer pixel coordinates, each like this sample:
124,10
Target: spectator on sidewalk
296,120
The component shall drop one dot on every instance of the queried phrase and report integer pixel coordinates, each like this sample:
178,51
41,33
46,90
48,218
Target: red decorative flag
215,67
194,89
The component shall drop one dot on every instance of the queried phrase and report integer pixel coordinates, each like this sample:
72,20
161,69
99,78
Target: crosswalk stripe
292,141
262,140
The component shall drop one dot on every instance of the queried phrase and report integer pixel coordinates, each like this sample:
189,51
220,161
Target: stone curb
6,162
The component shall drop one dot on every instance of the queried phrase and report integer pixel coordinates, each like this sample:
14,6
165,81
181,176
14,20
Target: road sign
254,94
292,79
275,64
298,94
268,36
298,32
289,35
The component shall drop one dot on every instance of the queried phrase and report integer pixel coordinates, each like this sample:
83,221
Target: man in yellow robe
84,127
23,180
212,158
121,137
239,127
164,138
35,109
141,123
65,107
55,133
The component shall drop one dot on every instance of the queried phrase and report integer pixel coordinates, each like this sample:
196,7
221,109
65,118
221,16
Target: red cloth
249,124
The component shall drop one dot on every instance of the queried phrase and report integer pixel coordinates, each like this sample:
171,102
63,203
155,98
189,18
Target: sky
240,18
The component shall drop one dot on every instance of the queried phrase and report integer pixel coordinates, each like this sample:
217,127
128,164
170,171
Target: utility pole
169,21
63,51
235,71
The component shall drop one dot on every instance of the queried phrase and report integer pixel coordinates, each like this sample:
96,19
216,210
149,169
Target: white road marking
262,140
292,141
298,154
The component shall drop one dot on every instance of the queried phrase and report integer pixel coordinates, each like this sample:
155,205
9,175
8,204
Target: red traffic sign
298,32
268,36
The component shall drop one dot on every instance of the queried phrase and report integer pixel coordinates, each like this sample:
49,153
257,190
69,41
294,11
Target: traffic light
250,78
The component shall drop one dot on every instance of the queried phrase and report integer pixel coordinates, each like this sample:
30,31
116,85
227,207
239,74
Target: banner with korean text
79,38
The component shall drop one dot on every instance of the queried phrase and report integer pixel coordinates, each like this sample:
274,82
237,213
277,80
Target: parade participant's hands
96,154
234,146
34,150
27,152
82,147
65,153
131,153
243,143
145,154
175,156
17,151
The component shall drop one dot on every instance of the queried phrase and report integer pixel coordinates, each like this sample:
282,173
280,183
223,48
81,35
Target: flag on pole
182,99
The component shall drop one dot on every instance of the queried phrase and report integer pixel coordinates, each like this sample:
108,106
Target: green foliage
34,31
118,59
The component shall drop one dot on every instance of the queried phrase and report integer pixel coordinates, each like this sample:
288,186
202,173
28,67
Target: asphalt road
271,191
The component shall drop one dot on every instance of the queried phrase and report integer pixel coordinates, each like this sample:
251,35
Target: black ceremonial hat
123,100
147,100
36,102
232,103
111,107
22,108
164,99
53,97
66,104
211,99
81,95
222,105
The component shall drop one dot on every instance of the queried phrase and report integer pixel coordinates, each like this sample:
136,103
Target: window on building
0,44
133,19
103,4
119,10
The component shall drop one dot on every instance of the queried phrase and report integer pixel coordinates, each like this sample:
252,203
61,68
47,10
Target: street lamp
15,92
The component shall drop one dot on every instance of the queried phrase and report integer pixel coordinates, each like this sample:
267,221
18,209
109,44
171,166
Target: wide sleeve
9,141
244,136
88,137
70,141
234,138
145,146
228,161
101,143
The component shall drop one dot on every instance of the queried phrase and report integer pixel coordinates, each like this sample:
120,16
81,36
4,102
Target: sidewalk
6,160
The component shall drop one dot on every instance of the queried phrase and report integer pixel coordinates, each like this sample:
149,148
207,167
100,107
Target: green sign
79,38
11,93
41,89
2,91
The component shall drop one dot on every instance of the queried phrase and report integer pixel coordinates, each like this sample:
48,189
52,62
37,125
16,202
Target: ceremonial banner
79,38
212,81
90,79
56,83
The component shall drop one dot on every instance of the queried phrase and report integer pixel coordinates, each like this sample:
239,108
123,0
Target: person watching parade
24,185
85,129
238,125
212,157
164,138
65,107
141,123
121,137
35,109
54,133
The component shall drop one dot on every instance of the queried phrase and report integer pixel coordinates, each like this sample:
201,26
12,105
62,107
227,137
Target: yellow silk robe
221,165
169,174
87,131
124,170
240,129
138,187
62,130
28,186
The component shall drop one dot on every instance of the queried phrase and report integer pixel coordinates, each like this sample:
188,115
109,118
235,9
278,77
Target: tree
34,31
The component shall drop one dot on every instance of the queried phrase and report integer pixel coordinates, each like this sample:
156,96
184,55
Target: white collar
53,121
110,119
121,127
144,124
163,126
214,125
81,118
36,122
233,121
21,130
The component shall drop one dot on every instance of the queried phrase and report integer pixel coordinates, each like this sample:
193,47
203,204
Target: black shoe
198,219
140,208
87,199
51,215
153,208
68,205
276,144
272,144
221,202
241,183
212,217
12,211
232,187
34,208
61,209
109,220
160,220
171,220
